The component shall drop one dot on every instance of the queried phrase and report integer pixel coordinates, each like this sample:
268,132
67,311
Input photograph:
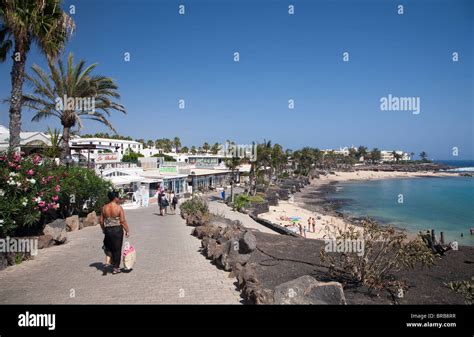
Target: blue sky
282,57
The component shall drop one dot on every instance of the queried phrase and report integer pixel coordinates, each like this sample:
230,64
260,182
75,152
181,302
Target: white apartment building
150,152
342,150
388,155
117,146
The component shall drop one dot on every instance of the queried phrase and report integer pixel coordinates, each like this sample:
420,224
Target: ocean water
460,165
445,204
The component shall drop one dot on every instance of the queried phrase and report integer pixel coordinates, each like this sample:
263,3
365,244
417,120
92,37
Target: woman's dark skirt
113,244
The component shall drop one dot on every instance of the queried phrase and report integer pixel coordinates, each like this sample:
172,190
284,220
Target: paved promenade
169,269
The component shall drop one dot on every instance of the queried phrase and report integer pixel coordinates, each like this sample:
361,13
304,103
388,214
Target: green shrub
82,191
257,199
194,206
465,288
130,156
385,252
35,188
244,200
28,190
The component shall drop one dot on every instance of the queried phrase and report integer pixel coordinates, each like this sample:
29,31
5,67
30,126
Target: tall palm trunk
65,151
17,75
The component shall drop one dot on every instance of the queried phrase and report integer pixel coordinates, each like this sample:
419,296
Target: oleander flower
32,181
30,172
36,160
55,198
16,157
57,188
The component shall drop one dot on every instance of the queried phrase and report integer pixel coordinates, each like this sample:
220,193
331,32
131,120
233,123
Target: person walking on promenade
174,201
164,203
313,223
160,195
113,223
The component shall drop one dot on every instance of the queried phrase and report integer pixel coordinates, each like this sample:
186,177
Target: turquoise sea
445,204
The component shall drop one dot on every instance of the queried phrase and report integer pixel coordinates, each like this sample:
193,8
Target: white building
342,150
106,146
150,152
200,159
28,140
388,156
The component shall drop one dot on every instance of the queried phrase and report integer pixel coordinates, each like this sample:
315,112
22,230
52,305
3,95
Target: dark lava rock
307,290
247,243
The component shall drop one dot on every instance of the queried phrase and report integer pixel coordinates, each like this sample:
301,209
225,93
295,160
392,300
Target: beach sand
327,223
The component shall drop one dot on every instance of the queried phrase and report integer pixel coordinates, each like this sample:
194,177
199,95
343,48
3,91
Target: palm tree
184,149
23,22
177,144
54,150
216,148
205,147
423,155
279,160
167,145
233,165
150,143
52,94
375,155
361,152
193,149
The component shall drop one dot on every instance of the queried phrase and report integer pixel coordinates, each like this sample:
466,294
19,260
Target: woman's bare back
111,210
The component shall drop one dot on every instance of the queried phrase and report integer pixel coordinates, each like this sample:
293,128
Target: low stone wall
277,228
231,247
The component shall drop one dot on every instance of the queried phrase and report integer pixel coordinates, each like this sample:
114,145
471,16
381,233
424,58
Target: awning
124,180
151,180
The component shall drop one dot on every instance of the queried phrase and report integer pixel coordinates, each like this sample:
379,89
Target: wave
462,169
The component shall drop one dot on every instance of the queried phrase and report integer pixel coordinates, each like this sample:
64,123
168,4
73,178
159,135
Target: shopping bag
129,255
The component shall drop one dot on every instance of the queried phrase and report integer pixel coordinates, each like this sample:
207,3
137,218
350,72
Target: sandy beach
327,223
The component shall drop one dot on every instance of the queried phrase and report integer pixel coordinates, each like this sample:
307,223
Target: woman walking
160,196
113,223
174,201
164,203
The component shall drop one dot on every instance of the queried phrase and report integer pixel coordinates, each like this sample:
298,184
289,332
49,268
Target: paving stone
168,259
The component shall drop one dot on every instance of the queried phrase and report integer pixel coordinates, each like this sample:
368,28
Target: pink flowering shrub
27,190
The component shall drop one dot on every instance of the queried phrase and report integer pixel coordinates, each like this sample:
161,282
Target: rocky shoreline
282,269
282,262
